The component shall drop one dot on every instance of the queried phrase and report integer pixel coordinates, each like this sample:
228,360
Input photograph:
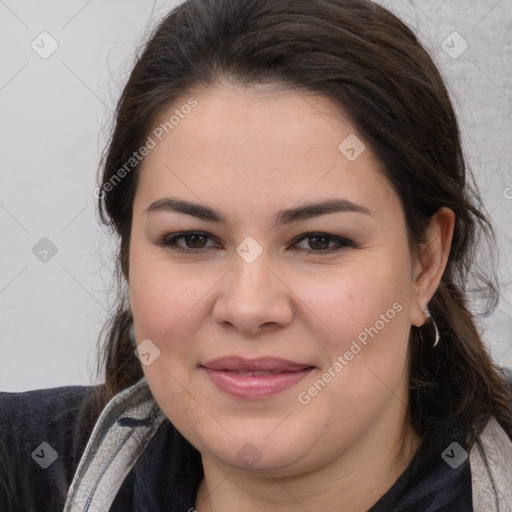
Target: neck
357,479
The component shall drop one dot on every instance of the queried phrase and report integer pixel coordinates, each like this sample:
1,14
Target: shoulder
43,435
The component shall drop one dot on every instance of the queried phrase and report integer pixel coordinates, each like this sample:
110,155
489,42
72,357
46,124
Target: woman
296,233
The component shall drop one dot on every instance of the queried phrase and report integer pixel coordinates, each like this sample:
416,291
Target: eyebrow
288,216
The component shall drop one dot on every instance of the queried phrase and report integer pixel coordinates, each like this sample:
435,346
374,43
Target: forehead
264,120
261,144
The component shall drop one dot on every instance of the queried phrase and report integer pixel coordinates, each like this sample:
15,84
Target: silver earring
430,324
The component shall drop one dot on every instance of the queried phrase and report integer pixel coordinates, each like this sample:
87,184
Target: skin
250,152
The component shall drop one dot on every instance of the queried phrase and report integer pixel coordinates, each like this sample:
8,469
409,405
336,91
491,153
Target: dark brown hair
370,64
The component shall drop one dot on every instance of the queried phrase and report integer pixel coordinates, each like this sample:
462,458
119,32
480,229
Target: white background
56,112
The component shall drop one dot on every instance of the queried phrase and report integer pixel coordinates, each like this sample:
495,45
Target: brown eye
321,243
185,242
195,241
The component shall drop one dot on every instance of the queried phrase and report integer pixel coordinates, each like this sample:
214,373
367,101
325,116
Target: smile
254,379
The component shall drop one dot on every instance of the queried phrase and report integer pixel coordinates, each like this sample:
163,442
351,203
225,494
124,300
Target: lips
254,378
266,364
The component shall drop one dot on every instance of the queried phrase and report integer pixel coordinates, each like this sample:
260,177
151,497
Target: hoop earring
431,325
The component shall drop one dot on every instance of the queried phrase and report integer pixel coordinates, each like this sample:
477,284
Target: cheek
161,300
366,311
170,304
348,303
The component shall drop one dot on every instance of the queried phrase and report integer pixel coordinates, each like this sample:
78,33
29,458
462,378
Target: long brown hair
368,62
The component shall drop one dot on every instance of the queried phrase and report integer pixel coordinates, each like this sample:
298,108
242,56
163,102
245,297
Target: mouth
254,378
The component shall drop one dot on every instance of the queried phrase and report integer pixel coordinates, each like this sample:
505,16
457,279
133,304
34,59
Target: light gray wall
54,113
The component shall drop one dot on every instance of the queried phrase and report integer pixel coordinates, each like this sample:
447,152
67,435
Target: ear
429,267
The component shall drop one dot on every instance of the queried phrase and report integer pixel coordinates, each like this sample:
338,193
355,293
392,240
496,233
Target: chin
249,456
261,447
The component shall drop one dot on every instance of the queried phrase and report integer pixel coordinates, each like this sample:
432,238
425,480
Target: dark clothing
429,483
59,417
168,472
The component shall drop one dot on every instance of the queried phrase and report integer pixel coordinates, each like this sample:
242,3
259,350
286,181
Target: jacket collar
491,470
122,431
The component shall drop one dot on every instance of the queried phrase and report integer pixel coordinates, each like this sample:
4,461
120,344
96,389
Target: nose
253,297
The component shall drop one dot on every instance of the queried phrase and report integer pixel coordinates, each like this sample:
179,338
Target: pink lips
254,378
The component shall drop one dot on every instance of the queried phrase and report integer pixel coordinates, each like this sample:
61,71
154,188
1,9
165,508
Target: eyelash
169,242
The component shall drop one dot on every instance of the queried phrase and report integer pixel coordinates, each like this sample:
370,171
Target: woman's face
322,319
